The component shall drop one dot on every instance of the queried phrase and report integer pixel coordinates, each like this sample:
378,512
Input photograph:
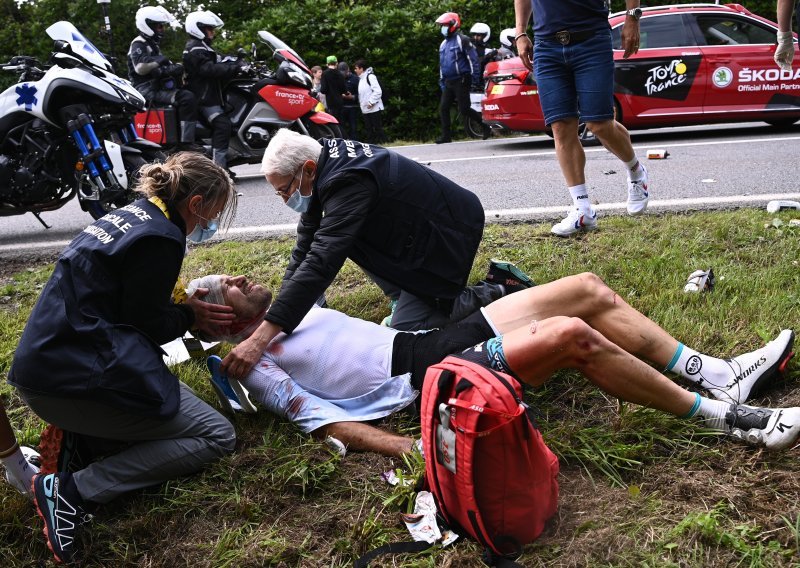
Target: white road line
601,149
492,215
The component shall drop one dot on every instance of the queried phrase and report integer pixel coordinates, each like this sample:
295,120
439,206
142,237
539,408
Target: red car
697,64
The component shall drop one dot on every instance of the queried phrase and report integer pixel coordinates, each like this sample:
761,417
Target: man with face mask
413,231
459,70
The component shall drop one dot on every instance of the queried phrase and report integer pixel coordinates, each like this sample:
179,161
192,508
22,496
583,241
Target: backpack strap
392,548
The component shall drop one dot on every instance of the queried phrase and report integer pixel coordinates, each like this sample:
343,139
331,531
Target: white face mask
297,201
444,30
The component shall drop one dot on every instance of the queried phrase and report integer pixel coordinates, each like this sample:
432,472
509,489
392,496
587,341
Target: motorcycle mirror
62,46
65,61
253,50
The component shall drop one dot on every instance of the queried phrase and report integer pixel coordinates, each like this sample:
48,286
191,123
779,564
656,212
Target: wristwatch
634,13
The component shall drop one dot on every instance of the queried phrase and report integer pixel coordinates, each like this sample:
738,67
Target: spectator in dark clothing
206,71
350,109
334,88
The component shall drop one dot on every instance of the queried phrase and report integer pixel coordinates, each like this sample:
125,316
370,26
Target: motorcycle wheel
317,131
133,162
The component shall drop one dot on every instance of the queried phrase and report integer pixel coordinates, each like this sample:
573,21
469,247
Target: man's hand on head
211,319
242,358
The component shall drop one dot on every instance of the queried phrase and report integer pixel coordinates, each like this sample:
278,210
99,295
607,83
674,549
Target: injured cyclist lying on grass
334,373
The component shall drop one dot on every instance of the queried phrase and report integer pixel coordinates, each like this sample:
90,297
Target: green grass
638,488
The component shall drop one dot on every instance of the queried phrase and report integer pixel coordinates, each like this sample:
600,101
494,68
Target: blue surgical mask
297,201
200,234
444,30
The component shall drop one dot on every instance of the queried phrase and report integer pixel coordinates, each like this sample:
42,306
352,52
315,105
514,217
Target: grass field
638,488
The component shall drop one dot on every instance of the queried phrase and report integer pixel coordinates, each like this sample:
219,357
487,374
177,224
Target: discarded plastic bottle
781,204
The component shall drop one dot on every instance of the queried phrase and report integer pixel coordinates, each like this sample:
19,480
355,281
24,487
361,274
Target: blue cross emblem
27,96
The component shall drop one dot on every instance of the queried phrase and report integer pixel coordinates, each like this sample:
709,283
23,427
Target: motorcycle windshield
276,44
81,46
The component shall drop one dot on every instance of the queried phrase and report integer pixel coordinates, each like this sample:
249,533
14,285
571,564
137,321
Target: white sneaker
771,428
638,194
24,485
574,222
755,371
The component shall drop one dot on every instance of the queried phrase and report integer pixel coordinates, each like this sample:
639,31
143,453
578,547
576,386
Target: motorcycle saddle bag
158,124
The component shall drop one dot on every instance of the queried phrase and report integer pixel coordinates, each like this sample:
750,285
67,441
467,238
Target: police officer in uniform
206,71
155,76
89,360
413,231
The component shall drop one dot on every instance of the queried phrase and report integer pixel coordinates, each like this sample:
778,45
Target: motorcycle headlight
135,101
298,75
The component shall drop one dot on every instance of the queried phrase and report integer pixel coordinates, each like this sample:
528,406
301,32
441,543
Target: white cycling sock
712,412
635,169
580,197
703,370
16,465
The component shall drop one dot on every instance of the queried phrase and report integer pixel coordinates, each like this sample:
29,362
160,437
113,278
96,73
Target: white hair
288,151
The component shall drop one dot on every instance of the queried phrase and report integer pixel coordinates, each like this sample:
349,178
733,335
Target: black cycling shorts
415,352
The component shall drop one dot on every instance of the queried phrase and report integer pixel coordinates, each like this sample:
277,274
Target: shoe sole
50,449
515,271
584,229
35,494
247,407
777,370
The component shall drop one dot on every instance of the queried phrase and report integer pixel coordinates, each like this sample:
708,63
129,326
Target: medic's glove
784,54
174,70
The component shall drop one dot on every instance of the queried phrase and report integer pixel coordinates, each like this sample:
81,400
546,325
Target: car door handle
688,53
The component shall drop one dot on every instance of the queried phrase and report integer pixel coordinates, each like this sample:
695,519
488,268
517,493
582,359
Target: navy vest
71,345
424,229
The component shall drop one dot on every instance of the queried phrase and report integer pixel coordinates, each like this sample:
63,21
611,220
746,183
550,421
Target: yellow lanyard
158,202
179,291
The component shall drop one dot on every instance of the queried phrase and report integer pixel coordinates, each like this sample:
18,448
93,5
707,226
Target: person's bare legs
364,437
615,137
535,352
18,471
7,437
569,151
587,297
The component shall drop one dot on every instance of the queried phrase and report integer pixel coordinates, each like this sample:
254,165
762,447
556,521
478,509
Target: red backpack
486,464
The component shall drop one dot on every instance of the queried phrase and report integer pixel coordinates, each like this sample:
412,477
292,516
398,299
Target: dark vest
423,231
72,345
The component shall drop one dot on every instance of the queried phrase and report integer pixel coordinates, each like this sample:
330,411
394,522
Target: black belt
566,37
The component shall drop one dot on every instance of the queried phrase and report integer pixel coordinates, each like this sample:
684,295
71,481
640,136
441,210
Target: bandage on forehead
213,282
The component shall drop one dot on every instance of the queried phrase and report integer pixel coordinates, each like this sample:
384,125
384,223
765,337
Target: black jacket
206,73
147,67
393,217
95,331
332,85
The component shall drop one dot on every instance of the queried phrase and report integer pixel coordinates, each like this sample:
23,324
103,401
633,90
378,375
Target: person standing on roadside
784,53
459,70
350,108
370,98
334,88
574,65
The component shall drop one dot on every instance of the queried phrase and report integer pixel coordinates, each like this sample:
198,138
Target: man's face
358,70
248,300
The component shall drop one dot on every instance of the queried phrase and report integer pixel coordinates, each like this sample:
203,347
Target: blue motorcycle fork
80,127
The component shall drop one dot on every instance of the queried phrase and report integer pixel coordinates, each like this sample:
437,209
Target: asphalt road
719,166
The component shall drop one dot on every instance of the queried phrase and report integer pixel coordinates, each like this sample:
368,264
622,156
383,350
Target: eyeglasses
286,191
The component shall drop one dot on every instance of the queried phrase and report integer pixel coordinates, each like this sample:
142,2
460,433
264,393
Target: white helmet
507,37
480,28
149,16
197,21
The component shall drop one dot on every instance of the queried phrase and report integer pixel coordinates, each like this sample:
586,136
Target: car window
658,31
726,30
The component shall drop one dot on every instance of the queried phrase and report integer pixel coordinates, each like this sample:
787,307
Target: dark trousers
374,123
454,90
349,122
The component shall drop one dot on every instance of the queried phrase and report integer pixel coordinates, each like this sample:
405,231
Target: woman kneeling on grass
89,360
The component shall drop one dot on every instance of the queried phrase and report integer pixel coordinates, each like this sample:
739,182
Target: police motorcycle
66,130
259,101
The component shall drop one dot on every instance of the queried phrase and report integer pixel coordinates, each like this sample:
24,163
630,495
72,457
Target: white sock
580,197
703,370
712,412
635,169
16,465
